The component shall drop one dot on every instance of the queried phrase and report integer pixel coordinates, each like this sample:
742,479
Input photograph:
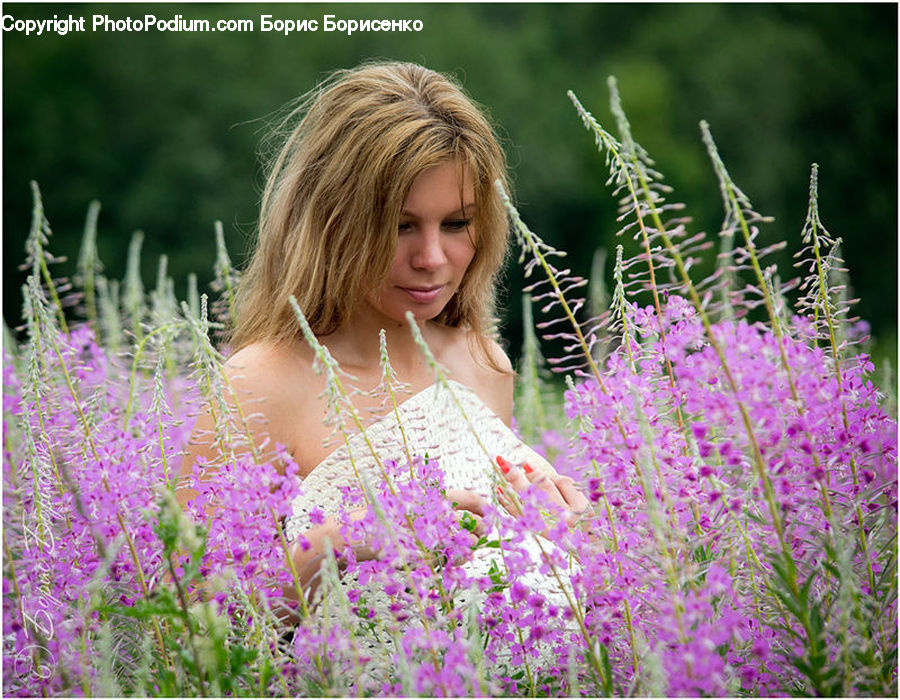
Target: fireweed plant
740,463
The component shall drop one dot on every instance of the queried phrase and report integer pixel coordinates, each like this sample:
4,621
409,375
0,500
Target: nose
428,252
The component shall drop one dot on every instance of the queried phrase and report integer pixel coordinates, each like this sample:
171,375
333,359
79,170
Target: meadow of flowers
740,463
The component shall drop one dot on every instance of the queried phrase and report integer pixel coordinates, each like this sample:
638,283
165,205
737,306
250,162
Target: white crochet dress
448,423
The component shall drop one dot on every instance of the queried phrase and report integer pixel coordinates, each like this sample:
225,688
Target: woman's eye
457,224
403,227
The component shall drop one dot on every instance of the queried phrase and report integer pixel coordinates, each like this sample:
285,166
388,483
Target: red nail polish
503,464
527,468
499,490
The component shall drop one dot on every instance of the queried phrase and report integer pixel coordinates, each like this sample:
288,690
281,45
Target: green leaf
241,657
265,675
468,522
607,671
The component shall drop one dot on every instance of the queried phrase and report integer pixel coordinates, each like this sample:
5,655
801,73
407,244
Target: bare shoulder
275,382
268,386
497,355
493,376
263,368
481,364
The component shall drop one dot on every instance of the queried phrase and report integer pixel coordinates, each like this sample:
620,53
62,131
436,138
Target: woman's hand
561,490
469,506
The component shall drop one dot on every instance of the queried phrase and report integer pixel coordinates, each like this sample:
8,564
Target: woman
381,202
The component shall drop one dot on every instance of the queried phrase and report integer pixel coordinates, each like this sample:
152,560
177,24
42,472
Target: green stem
187,621
134,365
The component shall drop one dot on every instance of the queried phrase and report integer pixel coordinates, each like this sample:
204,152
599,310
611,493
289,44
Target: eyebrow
463,210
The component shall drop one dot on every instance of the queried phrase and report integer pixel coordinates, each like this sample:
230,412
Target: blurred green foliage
164,128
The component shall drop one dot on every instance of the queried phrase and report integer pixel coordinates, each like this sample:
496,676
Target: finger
518,482
560,490
538,466
526,476
549,486
514,475
517,478
467,500
540,475
507,502
575,499
532,472
577,504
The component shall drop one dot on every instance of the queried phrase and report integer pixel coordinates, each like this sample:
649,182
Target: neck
356,344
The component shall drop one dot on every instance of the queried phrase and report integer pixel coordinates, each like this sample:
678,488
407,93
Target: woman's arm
492,378
263,390
255,401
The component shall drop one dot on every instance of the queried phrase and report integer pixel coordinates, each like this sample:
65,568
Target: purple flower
316,516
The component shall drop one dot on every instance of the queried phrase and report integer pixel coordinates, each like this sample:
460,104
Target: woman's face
434,245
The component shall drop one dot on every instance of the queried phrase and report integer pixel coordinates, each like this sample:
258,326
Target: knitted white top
447,423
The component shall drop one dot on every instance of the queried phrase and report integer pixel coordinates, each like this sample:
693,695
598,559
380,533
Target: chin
422,314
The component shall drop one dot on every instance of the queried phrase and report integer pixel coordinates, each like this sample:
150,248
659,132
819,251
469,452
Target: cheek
398,264
463,253
469,260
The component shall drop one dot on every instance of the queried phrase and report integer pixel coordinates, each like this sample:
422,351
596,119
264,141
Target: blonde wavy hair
334,193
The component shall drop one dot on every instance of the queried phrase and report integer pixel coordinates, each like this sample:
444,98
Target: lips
423,295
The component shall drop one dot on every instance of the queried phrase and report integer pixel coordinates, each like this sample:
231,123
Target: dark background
164,128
